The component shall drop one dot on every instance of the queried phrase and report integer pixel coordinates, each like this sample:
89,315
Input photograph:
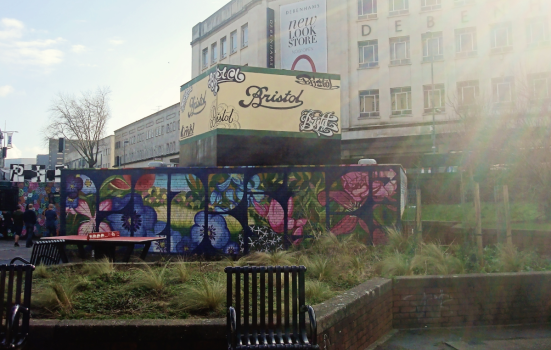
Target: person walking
29,217
51,217
18,224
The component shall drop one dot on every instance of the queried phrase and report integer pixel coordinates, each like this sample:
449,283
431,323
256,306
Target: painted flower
89,226
356,185
382,191
349,222
145,182
74,186
273,212
88,186
134,221
33,186
233,189
217,231
379,237
185,245
385,215
71,202
231,248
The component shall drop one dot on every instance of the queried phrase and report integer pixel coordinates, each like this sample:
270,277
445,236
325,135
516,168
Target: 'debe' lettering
260,98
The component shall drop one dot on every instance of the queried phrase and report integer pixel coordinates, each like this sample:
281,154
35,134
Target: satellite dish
366,161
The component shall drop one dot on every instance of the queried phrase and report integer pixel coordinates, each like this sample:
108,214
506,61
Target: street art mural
233,210
40,194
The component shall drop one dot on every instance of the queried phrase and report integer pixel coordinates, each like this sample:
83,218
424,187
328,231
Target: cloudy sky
139,49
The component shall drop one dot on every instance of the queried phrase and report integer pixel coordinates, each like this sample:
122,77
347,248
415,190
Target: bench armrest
17,258
13,323
233,325
313,324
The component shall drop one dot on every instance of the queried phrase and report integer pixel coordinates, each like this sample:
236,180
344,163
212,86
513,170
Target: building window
369,103
467,92
245,36
537,32
223,48
398,7
465,42
399,50
233,41
205,58
433,46
502,90
429,5
369,53
401,100
367,9
540,86
214,53
438,96
501,38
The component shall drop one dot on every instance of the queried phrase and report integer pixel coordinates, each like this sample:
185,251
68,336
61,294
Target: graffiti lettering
323,124
187,131
318,83
226,75
184,99
260,98
197,105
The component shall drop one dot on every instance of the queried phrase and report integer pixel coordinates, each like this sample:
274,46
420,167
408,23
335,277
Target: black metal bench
250,318
47,252
13,305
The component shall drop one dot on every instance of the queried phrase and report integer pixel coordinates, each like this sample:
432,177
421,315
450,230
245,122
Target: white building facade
106,155
153,138
391,54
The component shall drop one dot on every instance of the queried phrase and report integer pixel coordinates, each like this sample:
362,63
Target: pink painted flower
382,191
275,215
356,185
33,186
89,226
349,222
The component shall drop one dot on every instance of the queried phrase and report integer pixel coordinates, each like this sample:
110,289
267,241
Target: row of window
503,92
537,33
368,8
224,47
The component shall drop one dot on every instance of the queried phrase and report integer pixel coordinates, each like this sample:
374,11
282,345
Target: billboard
248,100
303,36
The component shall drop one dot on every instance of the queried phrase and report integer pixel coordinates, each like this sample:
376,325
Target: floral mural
40,194
233,210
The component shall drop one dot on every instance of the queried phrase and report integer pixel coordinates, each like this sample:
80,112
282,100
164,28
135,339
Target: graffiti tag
185,97
224,116
226,75
197,105
318,83
187,131
323,124
260,98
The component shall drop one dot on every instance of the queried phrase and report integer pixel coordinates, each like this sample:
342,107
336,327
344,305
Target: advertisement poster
303,36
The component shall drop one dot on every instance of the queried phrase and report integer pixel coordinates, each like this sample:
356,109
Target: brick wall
357,318
206,334
471,300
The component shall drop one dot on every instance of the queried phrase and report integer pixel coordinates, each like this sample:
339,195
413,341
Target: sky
139,49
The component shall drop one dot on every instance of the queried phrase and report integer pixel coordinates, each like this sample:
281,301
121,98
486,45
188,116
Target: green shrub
182,271
41,271
321,268
509,259
101,267
277,258
150,279
433,260
317,292
207,296
396,264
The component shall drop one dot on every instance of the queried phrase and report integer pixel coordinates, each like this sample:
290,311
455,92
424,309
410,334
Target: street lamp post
124,151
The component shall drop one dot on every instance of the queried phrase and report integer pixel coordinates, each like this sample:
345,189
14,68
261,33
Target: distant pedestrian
29,217
18,224
51,217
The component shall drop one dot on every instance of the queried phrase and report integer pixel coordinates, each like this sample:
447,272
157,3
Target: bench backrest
260,293
15,289
47,252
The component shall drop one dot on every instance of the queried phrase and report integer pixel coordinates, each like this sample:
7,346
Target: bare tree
81,121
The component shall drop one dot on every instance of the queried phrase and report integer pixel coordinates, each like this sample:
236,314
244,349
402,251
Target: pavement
8,251
525,337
